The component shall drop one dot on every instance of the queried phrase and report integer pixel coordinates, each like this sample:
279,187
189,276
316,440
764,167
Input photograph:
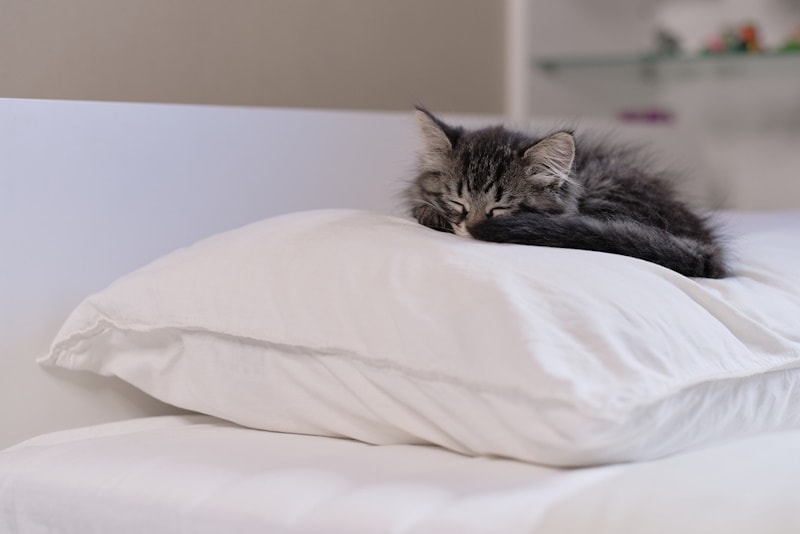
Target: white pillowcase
355,324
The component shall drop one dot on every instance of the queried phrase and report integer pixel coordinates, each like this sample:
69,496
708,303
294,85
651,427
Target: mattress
199,474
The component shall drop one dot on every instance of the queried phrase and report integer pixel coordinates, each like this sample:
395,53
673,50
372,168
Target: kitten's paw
427,216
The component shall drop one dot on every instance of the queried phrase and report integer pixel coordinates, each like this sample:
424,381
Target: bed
220,320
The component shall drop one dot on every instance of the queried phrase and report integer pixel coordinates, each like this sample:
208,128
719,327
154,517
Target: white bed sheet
197,474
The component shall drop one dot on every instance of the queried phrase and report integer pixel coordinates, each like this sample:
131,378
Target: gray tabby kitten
557,190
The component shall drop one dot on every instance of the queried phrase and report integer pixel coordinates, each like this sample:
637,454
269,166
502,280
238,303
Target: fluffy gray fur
559,190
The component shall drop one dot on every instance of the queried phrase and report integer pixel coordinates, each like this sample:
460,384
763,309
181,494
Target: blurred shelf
655,66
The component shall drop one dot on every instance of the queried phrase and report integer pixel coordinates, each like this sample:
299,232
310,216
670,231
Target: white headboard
92,190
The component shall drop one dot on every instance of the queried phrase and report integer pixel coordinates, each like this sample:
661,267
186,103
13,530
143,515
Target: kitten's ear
551,158
439,138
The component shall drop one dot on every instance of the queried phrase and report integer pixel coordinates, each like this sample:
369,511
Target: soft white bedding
197,474
347,323
81,176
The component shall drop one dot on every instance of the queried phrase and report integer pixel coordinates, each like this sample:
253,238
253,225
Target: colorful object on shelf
715,45
792,43
748,38
741,39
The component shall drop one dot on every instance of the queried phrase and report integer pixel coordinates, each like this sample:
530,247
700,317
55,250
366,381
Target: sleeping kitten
557,190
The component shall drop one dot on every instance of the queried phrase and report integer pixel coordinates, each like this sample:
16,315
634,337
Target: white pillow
354,324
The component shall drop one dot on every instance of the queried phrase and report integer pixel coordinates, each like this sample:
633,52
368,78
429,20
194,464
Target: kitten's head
466,176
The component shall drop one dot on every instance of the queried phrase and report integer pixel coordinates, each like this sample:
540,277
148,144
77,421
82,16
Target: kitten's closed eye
498,211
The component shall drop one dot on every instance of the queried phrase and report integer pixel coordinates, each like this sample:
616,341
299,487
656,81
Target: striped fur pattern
558,190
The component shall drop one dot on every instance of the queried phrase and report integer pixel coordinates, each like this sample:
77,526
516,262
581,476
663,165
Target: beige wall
362,54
